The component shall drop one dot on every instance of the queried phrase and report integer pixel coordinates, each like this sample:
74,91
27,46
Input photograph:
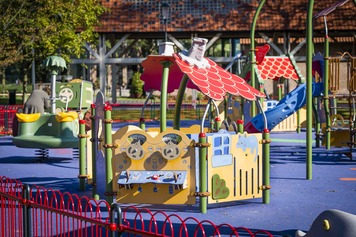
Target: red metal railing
131,112
142,221
7,114
55,214
11,209
38,211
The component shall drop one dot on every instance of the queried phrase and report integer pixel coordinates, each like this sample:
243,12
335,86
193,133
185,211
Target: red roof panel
221,15
276,67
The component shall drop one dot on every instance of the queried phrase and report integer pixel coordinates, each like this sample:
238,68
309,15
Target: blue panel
221,160
176,177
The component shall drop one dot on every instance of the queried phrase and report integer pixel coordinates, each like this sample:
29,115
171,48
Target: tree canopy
34,29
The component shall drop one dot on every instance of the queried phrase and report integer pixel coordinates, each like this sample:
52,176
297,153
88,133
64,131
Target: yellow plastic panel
138,152
28,118
339,138
66,116
234,167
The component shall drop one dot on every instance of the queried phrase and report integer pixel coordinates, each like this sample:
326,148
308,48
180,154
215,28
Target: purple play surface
294,203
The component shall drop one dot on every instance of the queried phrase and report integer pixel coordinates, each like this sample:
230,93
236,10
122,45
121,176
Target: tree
34,29
136,89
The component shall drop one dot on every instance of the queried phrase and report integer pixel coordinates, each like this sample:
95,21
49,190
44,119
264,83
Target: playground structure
139,155
177,165
342,115
60,127
341,84
285,114
278,68
136,154
169,166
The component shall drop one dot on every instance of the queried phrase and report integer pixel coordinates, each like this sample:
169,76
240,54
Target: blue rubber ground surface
294,201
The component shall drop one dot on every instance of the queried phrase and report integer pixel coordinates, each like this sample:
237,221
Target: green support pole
142,124
226,108
326,93
82,159
108,153
242,105
262,91
142,116
163,106
179,101
279,91
253,60
203,173
298,121
217,123
309,78
94,148
266,166
240,126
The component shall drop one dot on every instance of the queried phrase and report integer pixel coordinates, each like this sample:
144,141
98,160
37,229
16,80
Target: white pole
53,94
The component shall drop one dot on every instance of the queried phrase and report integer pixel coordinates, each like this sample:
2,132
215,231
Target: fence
38,211
132,111
120,112
7,113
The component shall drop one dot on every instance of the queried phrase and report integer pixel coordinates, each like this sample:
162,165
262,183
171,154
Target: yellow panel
66,116
154,156
339,138
194,129
157,129
243,173
27,118
291,123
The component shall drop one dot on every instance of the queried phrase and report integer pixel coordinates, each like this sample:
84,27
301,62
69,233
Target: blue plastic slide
285,108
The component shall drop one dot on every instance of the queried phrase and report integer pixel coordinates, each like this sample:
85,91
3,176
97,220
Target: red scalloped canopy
153,70
276,67
216,82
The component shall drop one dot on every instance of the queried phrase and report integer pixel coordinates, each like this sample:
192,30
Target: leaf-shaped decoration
55,64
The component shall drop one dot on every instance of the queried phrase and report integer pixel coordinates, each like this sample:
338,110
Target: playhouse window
173,138
221,145
135,138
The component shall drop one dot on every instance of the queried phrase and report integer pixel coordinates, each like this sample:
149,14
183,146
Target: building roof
226,16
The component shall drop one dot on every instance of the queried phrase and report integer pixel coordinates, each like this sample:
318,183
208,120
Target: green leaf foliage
34,29
136,89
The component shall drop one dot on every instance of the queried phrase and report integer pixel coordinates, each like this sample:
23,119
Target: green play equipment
59,128
47,130
74,95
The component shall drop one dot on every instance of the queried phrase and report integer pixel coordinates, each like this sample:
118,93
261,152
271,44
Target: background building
132,29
